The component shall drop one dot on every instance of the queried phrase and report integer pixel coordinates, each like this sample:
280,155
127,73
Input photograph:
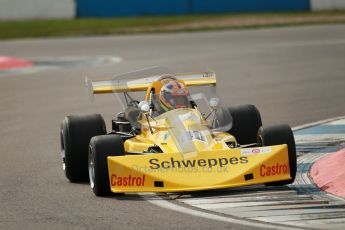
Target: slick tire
276,135
76,132
100,148
246,123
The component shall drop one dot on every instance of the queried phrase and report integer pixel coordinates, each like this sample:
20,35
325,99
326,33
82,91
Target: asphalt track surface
293,75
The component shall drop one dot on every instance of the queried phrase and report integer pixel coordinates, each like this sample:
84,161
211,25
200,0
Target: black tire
277,135
246,123
76,132
100,148
223,121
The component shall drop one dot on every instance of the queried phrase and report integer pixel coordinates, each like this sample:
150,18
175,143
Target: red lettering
130,180
285,168
119,181
138,182
273,170
262,170
127,180
113,180
268,171
133,180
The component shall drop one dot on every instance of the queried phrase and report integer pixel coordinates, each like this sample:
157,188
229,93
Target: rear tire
75,135
246,123
100,148
277,135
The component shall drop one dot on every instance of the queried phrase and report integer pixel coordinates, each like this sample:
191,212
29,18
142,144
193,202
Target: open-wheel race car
173,135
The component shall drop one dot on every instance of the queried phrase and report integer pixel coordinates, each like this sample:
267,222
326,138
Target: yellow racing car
173,135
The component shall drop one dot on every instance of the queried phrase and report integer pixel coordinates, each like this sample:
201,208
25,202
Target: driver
173,95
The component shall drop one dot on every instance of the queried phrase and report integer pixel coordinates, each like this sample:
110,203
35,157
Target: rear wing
120,86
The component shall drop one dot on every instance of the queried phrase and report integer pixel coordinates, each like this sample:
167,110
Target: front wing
172,172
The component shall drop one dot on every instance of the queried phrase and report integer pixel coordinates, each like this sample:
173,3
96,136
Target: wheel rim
260,141
91,167
63,153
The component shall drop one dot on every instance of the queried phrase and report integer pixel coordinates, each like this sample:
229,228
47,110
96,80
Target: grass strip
154,24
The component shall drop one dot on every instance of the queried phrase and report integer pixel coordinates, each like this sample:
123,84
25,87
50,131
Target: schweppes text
211,162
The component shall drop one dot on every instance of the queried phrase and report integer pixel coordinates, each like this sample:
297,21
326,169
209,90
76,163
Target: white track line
169,205
317,123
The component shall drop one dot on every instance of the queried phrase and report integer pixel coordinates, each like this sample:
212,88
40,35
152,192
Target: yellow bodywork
202,163
187,163
171,172
113,86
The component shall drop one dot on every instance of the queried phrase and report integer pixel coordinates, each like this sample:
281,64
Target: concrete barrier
317,5
36,9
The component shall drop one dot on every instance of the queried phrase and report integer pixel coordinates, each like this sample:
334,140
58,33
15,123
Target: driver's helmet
173,95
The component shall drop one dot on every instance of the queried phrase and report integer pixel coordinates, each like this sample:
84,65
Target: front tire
100,148
246,123
75,135
277,135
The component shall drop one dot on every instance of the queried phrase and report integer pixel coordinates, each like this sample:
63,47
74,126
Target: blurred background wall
37,9
106,8
43,9
327,4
